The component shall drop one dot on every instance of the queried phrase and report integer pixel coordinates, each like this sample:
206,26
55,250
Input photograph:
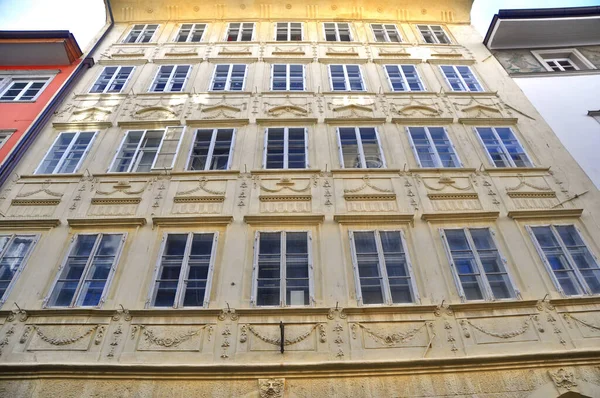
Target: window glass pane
162,78
296,148
282,31
396,267
581,255
492,263
75,154
222,149
275,148
412,77
279,77
354,77
170,268
99,270
344,31
198,267
370,147
392,33
200,149
179,77
338,78
469,78
296,77
512,145
465,264
56,153
127,152
12,259
296,260
237,77
233,32
350,152
247,29
330,32
147,151
453,79
367,261
443,147
393,72
493,147
269,271
295,31
422,146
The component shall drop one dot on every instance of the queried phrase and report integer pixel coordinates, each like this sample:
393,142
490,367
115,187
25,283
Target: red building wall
20,115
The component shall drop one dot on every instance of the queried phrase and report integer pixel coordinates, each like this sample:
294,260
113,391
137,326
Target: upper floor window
346,78
147,150
404,78
285,148
190,33
477,266
563,60
212,149
461,78
22,88
288,31
5,135
170,79
382,268
386,33
184,274
360,148
229,77
141,34
337,31
282,270
503,148
14,250
240,31
572,266
85,275
432,147
112,79
433,34
66,153
286,77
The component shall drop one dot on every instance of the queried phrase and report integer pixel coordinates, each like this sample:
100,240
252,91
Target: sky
85,18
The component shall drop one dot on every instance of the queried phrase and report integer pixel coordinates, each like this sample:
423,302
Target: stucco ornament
271,388
563,378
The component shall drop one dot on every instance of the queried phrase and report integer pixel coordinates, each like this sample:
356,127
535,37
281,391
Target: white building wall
564,103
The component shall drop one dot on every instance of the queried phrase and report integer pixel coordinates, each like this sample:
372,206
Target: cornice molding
296,121
82,125
199,199
488,121
544,214
370,197
28,224
285,198
423,121
149,124
119,222
374,218
237,122
516,170
35,202
285,219
177,221
341,121
450,61
461,216
116,201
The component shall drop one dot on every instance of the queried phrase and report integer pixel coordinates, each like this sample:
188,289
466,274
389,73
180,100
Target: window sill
365,171
348,93
494,170
442,169
493,305
470,93
284,171
74,176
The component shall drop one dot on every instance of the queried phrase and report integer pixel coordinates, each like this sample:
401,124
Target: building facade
33,67
299,200
554,56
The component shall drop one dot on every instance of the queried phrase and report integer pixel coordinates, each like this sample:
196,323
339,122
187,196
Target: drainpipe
9,165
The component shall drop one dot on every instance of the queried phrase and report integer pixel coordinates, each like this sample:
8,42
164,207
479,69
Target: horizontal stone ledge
107,222
308,219
544,214
16,224
374,218
177,221
462,216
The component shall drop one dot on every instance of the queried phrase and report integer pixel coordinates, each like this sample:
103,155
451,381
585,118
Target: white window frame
228,81
5,135
485,287
286,131
346,78
437,41
387,296
436,157
169,83
191,33
184,272
502,146
109,278
404,80
11,284
136,158
6,83
287,77
462,80
112,79
282,270
211,148
337,32
67,151
141,35
239,35
386,33
583,286
361,152
573,53
289,32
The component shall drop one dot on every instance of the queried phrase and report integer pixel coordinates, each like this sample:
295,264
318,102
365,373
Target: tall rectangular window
502,147
14,250
190,33
22,88
67,152
282,269
83,278
433,34
184,274
212,149
141,34
382,268
386,33
112,79
360,148
146,150
286,77
478,267
285,148
337,31
403,78
229,77
170,79
288,31
240,31
572,266
432,147
346,78
461,78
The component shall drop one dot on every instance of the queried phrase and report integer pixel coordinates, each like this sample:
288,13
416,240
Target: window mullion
347,78
171,78
482,275
387,295
211,148
358,286
282,269
574,267
64,156
86,269
403,77
229,74
183,276
286,147
361,152
288,77
433,149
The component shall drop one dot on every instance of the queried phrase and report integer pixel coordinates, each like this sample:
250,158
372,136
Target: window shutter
117,152
254,269
339,144
60,268
266,143
461,292
359,298
306,157
211,268
148,303
168,148
311,271
413,281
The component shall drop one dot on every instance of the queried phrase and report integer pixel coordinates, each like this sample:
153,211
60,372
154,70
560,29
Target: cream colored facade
538,343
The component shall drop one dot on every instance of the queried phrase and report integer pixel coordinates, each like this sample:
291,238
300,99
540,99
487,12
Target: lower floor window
282,269
14,250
